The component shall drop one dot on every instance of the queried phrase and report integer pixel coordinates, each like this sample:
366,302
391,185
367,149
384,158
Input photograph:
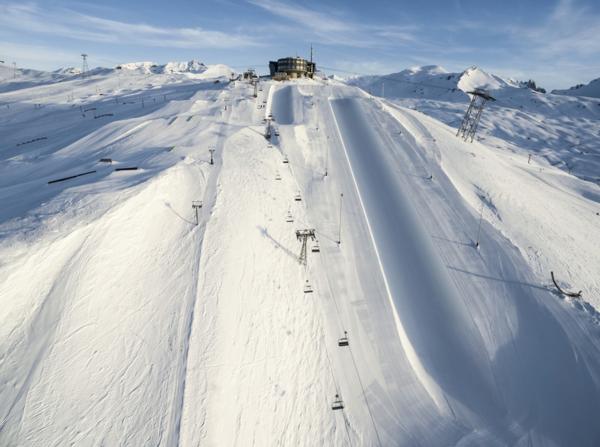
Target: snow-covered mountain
592,89
150,285
430,81
170,67
561,129
9,79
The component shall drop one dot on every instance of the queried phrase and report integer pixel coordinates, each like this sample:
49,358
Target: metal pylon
302,236
84,65
469,124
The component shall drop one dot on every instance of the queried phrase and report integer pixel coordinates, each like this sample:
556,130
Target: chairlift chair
285,159
315,248
308,287
337,403
344,340
289,217
298,198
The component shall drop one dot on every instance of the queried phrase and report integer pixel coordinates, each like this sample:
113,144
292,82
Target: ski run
424,315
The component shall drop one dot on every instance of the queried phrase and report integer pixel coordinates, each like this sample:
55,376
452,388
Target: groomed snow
124,323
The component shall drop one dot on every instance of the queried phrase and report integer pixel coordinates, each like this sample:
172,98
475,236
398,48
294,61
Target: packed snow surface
128,317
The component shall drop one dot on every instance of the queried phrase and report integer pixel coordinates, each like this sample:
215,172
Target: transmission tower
255,84
84,65
470,122
196,205
268,129
302,236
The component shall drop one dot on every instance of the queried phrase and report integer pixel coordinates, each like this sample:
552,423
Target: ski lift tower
84,65
302,236
469,124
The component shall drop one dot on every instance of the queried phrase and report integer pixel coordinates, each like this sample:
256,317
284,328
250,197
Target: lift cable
324,341
364,392
341,323
331,369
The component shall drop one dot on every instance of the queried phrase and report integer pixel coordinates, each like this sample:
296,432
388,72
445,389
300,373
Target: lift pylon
469,124
303,236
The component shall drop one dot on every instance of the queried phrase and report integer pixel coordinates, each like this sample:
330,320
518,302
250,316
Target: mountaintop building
292,68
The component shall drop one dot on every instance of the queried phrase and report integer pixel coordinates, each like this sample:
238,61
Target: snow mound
184,67
475,77
591,90
217,71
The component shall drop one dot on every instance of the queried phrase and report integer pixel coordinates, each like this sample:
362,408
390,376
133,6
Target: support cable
341,323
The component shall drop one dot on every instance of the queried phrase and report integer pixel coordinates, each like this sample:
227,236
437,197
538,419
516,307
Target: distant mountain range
592,90
434,82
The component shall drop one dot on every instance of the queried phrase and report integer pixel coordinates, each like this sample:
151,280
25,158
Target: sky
554,42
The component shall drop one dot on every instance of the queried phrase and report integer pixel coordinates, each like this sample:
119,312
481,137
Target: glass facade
292,66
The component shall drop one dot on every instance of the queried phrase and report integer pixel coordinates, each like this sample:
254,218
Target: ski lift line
365,396
340,322
356,370
331,369
347,424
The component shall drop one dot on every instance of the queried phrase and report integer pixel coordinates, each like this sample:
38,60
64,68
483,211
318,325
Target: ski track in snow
124,323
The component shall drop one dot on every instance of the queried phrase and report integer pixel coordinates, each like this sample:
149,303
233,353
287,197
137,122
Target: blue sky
557,42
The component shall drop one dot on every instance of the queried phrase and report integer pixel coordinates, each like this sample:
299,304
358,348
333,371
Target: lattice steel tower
302,236
470,122
84,65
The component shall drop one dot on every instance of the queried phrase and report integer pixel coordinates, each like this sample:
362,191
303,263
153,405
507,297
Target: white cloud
570,31
68,23
335,28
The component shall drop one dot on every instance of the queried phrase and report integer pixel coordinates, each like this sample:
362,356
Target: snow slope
550,214
125,323
495,383
560,129
591,89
